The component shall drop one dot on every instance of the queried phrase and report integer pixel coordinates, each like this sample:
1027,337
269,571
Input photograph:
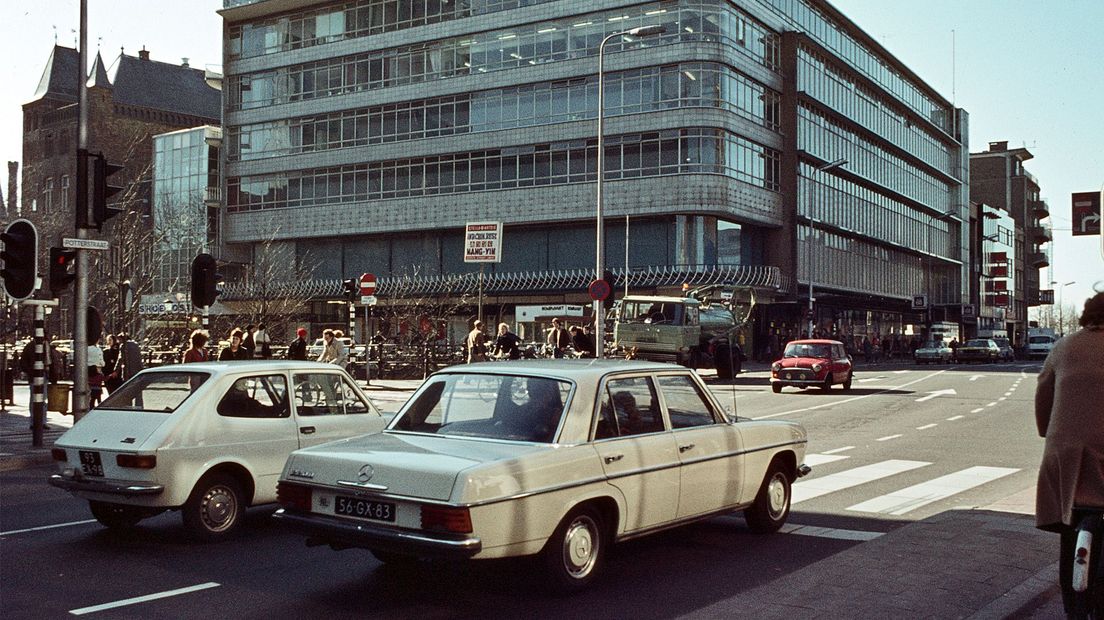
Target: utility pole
80,301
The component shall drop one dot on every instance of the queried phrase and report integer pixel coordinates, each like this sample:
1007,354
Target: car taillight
136,461
59,454
294,496
457,520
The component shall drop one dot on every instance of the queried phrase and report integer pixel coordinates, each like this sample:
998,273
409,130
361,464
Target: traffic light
101,190
61,260
205,280
351,287
19,258
607,303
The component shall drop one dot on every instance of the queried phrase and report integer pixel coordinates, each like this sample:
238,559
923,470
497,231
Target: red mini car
812,363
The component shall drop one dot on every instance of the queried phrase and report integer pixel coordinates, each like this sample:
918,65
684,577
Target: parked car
978,350
559,458
1038,347
812,363
209,439
1007,353
933,353
314,350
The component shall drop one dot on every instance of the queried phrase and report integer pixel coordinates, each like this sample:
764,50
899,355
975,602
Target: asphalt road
897,448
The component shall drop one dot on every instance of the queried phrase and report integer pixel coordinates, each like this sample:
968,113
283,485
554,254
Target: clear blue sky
1029,72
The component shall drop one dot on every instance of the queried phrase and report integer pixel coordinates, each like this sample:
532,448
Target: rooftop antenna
55,33
954,115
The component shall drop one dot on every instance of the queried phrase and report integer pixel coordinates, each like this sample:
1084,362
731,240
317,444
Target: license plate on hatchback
364,508
90,463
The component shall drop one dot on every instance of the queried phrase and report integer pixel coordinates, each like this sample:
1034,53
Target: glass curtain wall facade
184,167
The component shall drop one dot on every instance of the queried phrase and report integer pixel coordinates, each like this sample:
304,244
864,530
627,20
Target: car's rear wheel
577,550
215,508
772,504
847,382
116,516
776,388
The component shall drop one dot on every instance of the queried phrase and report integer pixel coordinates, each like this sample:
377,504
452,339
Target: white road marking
899,372
812,460
926,426
843,449
955,417
992,404
869,380
888,437
143,599
1002,398
978,409
976,377
911,498
829,532
936,394
808,488
47,527
848,400
1009,393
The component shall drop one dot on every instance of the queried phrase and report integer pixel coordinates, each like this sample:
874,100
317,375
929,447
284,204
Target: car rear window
161,392
978,343
488,406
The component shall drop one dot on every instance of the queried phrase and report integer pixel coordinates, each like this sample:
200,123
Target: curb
1018,600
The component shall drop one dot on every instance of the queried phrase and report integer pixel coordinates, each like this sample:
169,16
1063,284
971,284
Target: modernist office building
759,143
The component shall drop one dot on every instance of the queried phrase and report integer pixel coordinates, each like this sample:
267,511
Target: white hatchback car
553,457
209,439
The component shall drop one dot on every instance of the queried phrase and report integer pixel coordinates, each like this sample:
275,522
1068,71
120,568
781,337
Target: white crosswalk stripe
809,488
815,460
915,496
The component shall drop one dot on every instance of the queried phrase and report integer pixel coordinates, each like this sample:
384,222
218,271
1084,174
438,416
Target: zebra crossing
933,486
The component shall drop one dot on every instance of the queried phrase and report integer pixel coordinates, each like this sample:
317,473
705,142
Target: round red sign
367,284
599,290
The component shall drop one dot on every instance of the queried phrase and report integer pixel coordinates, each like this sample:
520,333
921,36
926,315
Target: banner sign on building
528,314
1086,212
483,242
165,307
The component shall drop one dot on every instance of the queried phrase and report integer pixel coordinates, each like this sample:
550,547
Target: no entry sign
367,284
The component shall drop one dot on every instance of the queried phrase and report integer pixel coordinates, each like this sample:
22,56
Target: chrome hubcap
776,495
219,508
580,547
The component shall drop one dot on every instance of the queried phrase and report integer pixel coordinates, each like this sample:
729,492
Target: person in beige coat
1069,413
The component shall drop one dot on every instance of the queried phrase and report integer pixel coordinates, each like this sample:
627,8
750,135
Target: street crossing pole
38,371
80,301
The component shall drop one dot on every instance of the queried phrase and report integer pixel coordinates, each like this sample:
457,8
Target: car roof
244,365
565,368
814,341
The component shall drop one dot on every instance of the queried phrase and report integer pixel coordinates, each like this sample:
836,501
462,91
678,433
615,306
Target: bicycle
1087,591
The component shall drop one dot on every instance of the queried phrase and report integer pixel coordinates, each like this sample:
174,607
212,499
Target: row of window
61,188
522,46
842,204
833,36
691,150
626,92
350,20
830,141
856,102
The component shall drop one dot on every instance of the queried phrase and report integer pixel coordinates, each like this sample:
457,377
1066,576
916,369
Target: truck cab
682,330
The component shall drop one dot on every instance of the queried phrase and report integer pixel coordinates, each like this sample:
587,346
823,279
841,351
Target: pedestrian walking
96,365
297,350
111,364
263,342
506,345
331,352
582,341
247,340
476,344
235,351
342,350
196,352
130,354
558,339
1068,414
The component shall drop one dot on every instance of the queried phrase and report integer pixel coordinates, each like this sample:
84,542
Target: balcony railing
1040,209
212,196
1038,260
1041,234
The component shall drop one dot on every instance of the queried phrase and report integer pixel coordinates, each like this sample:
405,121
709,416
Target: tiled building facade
364,135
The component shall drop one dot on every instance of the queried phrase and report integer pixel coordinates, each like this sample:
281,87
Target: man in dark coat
297,350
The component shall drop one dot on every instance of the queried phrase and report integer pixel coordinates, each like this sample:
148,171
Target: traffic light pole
80,301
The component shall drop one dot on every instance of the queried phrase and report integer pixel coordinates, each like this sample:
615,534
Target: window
162,392
629,407
686,405
326,394
255,397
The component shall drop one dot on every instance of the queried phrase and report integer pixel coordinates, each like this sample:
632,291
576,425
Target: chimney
184,62
143,53
996,147
13,176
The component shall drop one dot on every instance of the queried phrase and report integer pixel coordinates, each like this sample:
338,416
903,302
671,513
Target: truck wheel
722,361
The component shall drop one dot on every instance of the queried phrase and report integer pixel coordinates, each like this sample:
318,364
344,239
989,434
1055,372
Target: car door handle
306,430
688,446
614,457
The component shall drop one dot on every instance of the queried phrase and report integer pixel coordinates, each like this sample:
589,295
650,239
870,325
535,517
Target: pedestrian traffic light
607,303
351,288
62,269
205,280
19,259
101,190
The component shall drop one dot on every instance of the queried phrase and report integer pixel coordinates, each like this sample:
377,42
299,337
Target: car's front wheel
772,504
577,549
776,388
115,516
827,385
215,508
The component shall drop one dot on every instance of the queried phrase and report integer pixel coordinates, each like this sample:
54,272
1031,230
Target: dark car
978,350
812,363
1007,353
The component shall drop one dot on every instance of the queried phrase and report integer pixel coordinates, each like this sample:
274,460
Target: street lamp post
600,251
809,245
1061,312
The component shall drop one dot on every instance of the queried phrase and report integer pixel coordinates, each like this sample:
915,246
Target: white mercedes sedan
556,458
208,439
